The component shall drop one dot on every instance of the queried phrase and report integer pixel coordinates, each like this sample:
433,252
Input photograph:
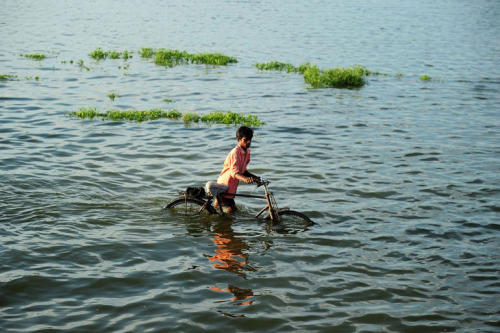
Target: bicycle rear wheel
189,206
292,217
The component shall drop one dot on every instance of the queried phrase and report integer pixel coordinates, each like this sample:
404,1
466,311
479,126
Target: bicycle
196,201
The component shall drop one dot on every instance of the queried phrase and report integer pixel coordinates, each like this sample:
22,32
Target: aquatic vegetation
211,59
351,77
171,58
34,56
127,55
99,54
147,52
277,66
112,96
227,118
191,117
168,100
81,64
131,115
231,118
7,77
425,78
218,117
114,54
282,66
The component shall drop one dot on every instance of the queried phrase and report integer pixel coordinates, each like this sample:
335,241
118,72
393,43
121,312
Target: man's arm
250,175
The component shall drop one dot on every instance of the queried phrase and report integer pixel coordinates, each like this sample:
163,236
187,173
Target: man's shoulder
239,150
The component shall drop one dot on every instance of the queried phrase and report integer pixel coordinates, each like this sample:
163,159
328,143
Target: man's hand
256,180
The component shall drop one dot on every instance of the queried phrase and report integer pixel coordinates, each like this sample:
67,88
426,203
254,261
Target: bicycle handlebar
261,181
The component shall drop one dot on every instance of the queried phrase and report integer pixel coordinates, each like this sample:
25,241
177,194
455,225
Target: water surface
401,175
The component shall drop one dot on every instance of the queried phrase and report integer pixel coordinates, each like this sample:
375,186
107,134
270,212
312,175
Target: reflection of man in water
239,294
229,256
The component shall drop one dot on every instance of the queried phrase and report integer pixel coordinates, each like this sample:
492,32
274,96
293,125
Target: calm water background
401,175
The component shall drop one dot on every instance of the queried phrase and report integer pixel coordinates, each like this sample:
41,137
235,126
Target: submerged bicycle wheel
189,206
292,217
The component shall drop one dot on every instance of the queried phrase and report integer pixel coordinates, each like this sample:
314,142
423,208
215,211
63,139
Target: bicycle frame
271,206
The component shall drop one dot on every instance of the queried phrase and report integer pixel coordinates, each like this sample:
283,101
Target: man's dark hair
244,132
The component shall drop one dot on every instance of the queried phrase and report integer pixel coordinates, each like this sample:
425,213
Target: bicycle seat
214,188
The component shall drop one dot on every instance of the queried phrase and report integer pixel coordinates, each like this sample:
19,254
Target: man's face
244,142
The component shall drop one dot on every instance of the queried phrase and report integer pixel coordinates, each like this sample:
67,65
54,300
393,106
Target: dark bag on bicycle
195,191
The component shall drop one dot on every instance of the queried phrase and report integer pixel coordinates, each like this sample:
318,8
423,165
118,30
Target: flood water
401,176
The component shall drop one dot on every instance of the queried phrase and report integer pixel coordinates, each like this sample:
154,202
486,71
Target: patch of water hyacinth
351,77
8,77
171,58
131,115
99,54
227,117
34,56
217,117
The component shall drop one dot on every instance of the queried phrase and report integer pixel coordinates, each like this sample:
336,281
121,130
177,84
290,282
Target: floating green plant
231,118
147,52
425,78
34,56
168,100
81,64
191,117
351,77
132,115
227,118
112,96
171,58
277,66
99,54
114,55
7,77
283,66
127,55
218,117
212,59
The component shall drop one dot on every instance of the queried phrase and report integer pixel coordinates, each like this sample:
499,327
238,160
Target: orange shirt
236,162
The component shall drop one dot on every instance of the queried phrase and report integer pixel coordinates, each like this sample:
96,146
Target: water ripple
401,176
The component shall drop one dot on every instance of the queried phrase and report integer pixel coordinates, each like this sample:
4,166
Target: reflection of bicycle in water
192,203
230,256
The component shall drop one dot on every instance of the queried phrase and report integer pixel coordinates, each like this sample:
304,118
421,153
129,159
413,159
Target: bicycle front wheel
189,206
292,217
